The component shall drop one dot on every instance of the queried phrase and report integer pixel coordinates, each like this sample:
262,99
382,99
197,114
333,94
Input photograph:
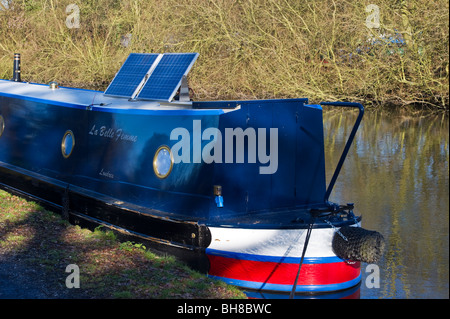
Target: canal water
397,174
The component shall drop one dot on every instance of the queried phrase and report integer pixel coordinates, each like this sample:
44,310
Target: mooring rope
308,235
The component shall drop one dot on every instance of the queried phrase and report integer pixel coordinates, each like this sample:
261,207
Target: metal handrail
349,141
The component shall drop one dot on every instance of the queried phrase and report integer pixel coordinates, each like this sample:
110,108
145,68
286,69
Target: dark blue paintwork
300,178
121,169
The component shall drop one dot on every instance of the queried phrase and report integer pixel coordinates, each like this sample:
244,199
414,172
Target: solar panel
132,74
165,79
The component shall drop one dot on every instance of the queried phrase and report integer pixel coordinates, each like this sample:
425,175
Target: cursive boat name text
113,134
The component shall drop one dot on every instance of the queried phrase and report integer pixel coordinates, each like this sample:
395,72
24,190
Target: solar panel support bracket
184,90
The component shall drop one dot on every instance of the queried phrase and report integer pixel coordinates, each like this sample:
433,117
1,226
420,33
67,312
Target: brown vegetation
322,50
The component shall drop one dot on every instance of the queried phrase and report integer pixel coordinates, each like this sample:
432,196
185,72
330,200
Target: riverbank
380,54
37,246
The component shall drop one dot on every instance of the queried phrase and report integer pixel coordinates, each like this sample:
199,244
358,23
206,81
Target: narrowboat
237,189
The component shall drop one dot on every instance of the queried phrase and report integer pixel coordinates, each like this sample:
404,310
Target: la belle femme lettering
113,134
212,152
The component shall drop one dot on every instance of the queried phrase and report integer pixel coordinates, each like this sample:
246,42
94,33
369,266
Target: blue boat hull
104,174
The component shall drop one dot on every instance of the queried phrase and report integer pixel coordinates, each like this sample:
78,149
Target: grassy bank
323,50
42,241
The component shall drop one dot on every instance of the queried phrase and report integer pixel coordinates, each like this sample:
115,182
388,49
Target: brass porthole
67,144
163,162
2,125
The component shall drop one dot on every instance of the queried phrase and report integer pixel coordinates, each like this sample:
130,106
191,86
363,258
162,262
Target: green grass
108,268
248,49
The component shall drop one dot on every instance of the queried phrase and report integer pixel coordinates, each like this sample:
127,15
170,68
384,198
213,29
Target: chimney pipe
16,71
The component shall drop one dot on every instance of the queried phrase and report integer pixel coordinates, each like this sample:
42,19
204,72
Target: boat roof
81,97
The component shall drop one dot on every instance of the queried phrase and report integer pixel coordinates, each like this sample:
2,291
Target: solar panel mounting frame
170,93
166,84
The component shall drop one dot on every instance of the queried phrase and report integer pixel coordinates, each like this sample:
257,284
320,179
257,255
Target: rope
308,235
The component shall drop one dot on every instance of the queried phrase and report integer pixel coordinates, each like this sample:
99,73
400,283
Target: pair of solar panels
151,76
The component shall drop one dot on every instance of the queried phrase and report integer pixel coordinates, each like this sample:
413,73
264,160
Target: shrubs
392,52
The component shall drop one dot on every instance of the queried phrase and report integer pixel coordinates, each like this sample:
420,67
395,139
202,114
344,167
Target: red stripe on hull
283,273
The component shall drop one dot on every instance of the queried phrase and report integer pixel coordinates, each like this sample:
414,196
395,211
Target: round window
163,162
2,125
67,144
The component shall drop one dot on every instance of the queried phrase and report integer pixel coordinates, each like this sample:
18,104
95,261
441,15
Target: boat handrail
349,141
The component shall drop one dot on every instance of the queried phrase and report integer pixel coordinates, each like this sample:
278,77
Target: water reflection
397,174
